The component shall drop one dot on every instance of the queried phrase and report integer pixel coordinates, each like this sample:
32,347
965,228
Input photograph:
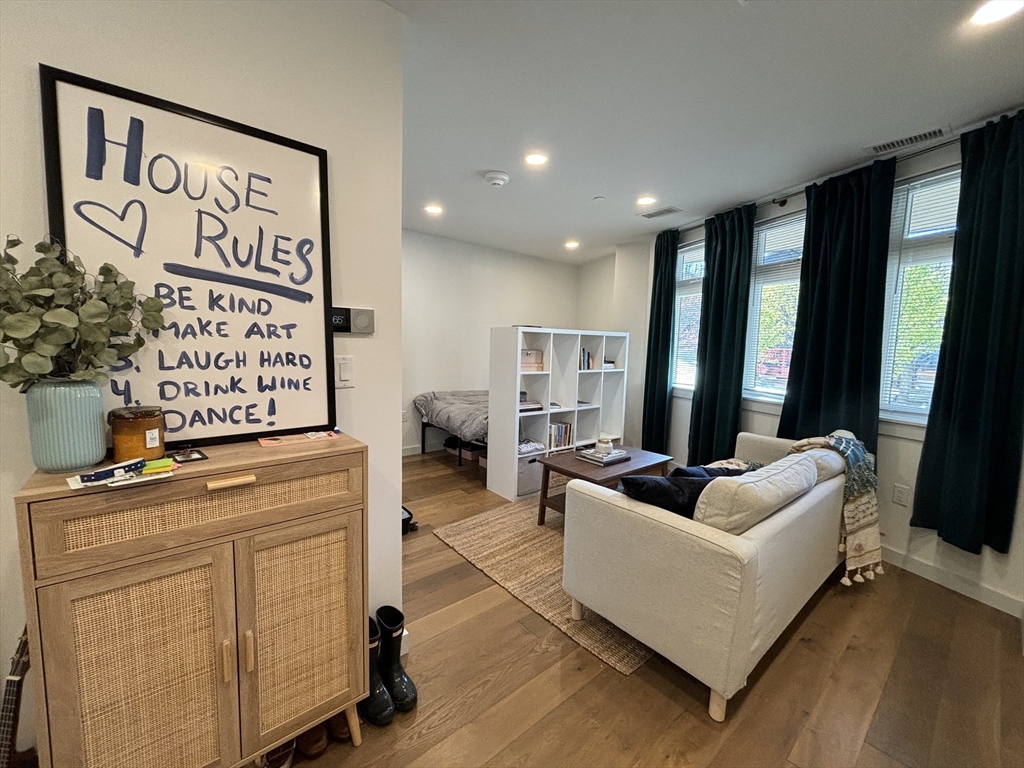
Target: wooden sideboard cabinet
202,619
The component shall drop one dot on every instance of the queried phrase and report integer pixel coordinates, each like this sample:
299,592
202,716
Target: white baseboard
988,596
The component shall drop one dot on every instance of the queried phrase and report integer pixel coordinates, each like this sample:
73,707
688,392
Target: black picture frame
50,77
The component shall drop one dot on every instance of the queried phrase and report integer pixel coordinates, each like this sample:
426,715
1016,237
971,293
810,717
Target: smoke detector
496,178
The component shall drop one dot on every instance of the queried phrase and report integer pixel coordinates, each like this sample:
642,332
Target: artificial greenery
59,322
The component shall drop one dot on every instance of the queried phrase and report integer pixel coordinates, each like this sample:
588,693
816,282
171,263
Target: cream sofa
709,601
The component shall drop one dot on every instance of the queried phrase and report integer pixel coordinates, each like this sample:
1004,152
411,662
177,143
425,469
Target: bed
463,413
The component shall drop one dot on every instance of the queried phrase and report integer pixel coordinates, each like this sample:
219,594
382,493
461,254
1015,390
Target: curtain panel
968,477
836,368
660,341
718,391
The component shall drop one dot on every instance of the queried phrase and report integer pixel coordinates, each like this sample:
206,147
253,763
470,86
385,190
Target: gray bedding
461,412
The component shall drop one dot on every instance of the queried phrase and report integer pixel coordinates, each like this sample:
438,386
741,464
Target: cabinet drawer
96,529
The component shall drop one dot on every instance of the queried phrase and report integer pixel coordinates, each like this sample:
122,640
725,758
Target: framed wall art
228,226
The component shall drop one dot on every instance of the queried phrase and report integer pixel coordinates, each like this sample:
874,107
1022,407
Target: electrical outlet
901,495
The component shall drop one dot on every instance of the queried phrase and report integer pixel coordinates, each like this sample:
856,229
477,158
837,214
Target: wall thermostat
351,320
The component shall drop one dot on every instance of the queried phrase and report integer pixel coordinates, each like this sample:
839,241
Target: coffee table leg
543,494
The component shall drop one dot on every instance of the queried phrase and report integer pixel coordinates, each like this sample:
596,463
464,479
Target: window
689,283
774,286
920,261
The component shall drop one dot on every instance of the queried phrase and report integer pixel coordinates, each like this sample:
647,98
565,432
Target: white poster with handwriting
226,229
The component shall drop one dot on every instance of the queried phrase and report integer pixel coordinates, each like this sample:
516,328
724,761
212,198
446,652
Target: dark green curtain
658,383
968,477
836,369
718,392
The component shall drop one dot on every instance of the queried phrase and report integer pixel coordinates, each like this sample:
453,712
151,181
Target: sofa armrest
797,549
684,589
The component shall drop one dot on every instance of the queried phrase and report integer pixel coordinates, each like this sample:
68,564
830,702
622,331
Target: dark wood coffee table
640,463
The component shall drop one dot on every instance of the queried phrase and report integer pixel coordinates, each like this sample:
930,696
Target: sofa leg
577,610
716,707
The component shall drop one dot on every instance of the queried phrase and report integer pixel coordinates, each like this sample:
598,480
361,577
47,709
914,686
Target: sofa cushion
828,463
736,504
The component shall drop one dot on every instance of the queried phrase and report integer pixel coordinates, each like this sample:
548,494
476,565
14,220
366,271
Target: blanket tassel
857,577
845,581
879,570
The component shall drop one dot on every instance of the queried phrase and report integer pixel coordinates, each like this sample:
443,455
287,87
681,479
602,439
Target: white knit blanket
860,538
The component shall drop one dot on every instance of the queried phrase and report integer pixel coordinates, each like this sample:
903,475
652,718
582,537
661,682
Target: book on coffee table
603,459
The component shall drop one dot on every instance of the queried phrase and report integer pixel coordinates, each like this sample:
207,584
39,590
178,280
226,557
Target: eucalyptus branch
59,321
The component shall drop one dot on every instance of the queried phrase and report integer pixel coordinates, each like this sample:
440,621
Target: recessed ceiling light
996,10
536,158
599,197
646,200
572,245
433,209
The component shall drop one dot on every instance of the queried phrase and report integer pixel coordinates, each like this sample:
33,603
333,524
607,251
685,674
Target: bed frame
423,439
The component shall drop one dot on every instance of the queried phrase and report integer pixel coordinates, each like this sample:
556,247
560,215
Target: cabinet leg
577,610
353,725
716,707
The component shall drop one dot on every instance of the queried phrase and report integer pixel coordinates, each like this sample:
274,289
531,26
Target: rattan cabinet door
141,666
301,626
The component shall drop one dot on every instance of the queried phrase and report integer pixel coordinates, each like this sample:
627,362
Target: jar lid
136,412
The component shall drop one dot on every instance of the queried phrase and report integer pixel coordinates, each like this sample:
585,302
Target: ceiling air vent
668,210
909,141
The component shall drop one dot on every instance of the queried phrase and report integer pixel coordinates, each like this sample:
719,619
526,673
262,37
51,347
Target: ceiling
705,105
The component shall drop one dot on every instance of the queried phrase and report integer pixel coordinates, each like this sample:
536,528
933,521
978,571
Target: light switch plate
344,372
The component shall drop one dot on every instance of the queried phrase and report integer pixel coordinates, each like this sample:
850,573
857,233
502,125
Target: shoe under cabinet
200,620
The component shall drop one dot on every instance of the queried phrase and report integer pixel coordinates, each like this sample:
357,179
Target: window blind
689,284
920,262
774,287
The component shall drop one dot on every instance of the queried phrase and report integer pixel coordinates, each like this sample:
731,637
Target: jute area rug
526,559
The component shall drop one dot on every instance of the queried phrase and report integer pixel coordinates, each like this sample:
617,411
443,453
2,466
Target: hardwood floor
897,673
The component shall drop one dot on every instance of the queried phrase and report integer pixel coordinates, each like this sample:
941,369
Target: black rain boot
377,708
398,683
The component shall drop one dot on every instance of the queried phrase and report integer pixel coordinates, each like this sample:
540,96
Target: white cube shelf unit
591,402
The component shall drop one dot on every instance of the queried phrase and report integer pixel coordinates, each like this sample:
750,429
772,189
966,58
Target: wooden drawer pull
225,648
250,652
230,482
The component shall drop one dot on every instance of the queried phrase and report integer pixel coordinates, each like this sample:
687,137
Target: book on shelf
587,361
529,405
559,435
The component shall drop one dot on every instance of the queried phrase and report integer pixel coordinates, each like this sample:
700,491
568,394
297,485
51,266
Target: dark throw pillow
707,472
674,493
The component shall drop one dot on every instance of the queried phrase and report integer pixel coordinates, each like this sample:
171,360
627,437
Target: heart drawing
136,247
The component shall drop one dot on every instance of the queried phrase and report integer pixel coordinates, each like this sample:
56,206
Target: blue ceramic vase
65,424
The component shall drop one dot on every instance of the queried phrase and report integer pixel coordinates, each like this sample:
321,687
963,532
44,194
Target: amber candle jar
137,432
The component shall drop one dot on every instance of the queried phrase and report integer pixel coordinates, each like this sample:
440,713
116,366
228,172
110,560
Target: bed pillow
736,504
677,494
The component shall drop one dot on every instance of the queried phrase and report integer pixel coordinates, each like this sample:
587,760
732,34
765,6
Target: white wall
453,294
325,73
615,295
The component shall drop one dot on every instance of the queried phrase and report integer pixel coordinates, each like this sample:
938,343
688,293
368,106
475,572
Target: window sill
683,393
766,405
904,428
